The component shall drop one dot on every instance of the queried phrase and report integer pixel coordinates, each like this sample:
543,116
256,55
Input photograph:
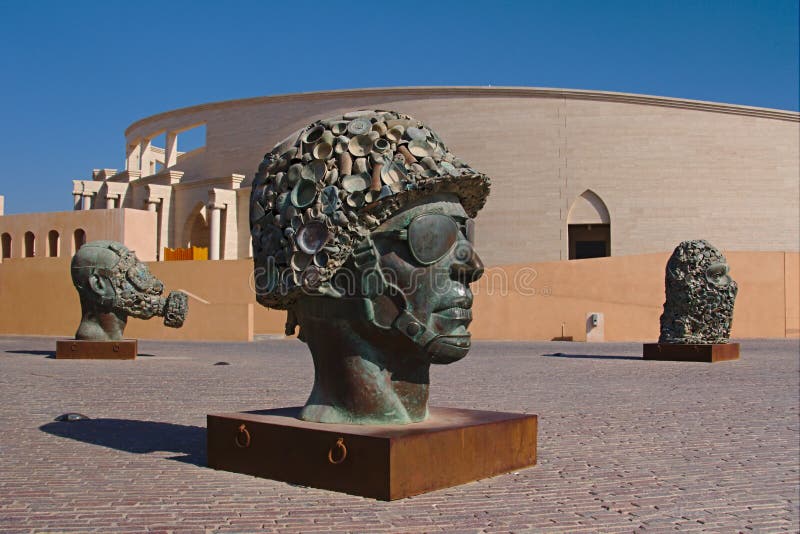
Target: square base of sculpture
386,462
677,352
76,349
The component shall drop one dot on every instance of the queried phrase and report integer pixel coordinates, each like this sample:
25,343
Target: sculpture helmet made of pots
308,214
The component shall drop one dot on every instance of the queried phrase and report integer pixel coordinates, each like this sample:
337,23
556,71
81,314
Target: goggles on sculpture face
431,236
717,274
140,277
129,269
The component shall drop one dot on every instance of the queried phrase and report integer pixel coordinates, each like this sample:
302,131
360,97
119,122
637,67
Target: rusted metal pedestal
75,349
691,353
385,462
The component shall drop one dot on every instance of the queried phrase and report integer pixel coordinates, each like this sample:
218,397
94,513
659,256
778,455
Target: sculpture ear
102,288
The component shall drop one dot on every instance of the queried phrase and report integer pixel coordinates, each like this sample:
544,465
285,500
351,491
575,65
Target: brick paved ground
624,445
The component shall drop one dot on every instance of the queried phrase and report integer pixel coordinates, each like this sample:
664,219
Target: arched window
589,227
30,245
196,227
78,239
6,242
53,242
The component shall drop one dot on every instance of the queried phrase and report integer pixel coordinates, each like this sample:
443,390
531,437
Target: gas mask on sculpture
113,285
139,294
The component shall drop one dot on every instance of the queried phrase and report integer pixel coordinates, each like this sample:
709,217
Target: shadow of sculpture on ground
590,356
52,354
138,437
48,353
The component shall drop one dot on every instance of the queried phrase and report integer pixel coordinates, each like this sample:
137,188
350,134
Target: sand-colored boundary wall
519,302
527,302
37,298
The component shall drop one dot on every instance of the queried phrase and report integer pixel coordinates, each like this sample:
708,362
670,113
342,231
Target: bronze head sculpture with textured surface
699,296
113,285
362,231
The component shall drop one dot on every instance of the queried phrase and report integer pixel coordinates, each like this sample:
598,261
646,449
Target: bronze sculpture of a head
699,296
112,285
362,231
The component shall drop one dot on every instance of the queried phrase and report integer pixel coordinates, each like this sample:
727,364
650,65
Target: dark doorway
589,241
78,239
30,245
6,238
52,244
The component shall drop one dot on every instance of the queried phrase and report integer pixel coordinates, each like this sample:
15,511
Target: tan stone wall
792,289
135,228
37,298
629,292
666,169
524,302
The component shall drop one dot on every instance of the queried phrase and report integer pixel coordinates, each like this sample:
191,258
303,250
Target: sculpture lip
455,312
464,303
458,340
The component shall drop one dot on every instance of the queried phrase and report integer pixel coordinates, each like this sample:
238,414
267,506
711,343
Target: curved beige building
656,170
576,174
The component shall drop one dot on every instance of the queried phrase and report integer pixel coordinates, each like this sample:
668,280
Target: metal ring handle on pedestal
342,454
242,438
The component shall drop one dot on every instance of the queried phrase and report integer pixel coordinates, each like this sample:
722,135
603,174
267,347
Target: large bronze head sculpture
699,296
362,231
113,285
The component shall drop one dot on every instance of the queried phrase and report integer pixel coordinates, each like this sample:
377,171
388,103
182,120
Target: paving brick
624,445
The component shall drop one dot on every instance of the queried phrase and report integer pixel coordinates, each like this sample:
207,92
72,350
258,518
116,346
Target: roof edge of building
478,91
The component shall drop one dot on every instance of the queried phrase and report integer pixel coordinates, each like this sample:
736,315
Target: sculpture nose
467,267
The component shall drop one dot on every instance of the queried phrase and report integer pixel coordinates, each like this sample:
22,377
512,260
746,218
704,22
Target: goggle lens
140,277
431,237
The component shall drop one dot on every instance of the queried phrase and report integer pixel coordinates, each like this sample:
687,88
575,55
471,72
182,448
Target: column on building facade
145,157
214,230
83,193
223,219
133,159
160,195
171,150
77,194
153,206
115,193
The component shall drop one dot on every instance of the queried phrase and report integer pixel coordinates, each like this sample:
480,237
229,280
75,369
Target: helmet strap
375,287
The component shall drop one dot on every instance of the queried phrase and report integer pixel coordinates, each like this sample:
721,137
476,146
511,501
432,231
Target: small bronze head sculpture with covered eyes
699,296
113,284
362,231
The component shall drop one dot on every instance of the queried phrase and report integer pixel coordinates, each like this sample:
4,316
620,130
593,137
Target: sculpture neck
361,378
100,325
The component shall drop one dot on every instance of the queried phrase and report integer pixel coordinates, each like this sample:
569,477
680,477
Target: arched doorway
53,242
78,239
589,227
6,243
30,245
196,228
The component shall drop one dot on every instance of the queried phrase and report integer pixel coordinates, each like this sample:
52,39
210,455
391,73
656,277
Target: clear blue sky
76,74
